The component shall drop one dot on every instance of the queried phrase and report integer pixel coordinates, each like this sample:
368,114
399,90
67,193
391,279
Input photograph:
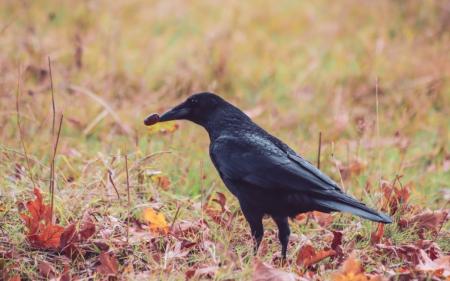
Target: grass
306,66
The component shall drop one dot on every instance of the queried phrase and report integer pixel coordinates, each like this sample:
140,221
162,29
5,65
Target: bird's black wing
258,161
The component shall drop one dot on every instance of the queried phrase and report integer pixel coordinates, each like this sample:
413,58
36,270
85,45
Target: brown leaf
46,270
337,240
264,272
395,198
41,232
428,220
87,229
439,267
207,271
376,236
69,240
68,236
308,256
108,264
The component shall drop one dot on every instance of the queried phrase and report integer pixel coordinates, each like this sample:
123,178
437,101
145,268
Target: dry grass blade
128,198
105,105
55,148
19,127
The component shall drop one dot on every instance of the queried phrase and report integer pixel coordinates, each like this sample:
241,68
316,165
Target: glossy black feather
265,174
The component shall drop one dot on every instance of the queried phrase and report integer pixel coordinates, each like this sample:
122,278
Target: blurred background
297,67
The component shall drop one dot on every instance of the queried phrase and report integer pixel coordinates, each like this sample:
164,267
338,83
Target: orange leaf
351,270
308,256
156,221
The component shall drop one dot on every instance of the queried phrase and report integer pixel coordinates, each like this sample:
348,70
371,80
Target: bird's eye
193,101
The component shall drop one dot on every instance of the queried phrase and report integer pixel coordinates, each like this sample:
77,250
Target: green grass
310,67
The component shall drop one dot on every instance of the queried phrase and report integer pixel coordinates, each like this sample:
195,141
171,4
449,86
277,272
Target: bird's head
198,108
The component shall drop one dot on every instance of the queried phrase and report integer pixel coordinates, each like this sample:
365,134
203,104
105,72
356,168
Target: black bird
266,175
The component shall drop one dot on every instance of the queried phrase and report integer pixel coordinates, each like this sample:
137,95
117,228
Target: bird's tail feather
344,203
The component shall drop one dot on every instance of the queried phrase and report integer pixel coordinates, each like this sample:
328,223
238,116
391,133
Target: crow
265,174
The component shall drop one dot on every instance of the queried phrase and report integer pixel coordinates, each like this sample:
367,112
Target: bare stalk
55,147
318,150
128,196
52,167
19,126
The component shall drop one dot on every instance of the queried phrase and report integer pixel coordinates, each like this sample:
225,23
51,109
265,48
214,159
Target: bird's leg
283,233
254,219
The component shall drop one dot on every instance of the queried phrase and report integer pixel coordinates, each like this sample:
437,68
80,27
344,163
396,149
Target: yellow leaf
156,221
163,128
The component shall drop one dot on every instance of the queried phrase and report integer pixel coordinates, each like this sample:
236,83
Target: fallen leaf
395,198
41,232
108,264
337,240
46,270
439,267
323,219
376,236
264,272
351,270
308,256
429,220
87,229
207,271
157,222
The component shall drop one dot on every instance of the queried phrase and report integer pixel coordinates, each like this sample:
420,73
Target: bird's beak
176,113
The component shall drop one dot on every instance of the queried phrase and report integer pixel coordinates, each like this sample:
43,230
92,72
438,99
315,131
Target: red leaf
41,232
308,256
376,236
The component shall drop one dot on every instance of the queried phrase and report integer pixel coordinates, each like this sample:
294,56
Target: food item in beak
151,119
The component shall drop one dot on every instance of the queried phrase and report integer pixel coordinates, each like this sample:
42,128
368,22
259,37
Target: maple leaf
42,233
157,222
308,256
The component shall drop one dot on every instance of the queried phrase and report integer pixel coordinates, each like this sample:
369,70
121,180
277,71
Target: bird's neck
227,121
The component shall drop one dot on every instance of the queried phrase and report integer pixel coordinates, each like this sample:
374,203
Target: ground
371,76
